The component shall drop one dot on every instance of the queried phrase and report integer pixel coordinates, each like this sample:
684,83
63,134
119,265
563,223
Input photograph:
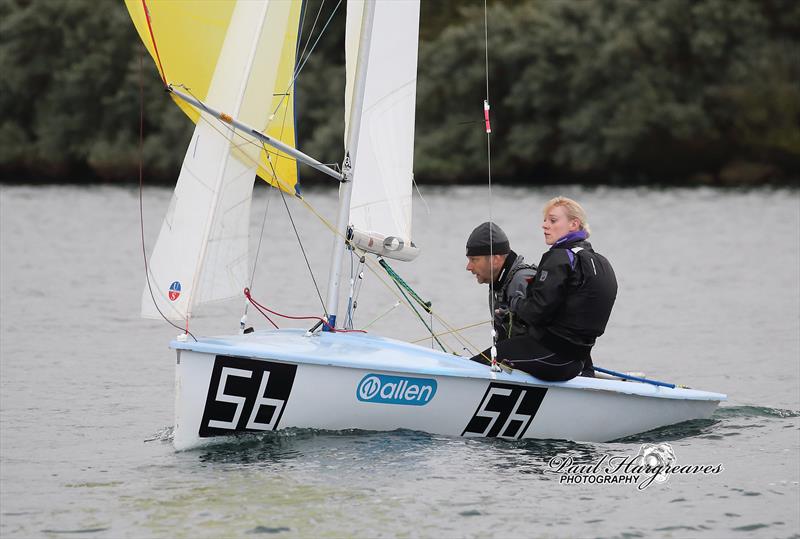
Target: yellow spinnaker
189,37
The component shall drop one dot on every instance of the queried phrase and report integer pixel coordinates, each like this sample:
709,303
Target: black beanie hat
479,242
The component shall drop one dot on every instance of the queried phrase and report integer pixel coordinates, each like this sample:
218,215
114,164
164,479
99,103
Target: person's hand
500,315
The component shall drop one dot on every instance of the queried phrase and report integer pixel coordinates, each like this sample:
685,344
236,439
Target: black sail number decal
505,411
245,395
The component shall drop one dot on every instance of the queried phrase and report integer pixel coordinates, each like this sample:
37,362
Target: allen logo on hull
245,395
385,389
506,411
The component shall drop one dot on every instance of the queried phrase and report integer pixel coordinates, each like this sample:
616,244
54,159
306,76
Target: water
709,297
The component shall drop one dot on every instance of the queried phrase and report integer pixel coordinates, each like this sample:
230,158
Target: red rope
155,47
259,307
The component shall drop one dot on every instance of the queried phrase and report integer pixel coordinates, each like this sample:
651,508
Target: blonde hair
573,209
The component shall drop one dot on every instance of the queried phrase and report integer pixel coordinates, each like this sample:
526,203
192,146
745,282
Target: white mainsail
201,254
380,204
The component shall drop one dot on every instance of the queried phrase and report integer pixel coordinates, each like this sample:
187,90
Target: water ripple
754,411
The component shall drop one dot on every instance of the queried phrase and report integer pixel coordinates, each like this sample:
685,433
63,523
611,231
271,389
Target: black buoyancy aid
510,326
589,304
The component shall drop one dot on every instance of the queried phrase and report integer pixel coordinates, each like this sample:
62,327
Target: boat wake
722,424
165,434
754,411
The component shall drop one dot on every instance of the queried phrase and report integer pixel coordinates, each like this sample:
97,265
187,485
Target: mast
346,186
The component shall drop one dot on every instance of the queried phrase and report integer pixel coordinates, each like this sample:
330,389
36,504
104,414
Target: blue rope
634,378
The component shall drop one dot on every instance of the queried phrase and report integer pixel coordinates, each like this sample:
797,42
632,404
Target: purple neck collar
572,236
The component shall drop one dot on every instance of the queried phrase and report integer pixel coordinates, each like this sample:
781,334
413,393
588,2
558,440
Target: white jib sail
202,251
380,207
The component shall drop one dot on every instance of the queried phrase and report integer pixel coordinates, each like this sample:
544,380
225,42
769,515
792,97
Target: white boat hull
281,379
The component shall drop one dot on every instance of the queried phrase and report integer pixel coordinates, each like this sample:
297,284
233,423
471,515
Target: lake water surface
709,297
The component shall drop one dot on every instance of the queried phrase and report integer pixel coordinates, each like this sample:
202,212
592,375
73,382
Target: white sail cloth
201,254
383,156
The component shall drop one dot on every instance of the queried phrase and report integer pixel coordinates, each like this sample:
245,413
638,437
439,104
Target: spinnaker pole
351,148
266,139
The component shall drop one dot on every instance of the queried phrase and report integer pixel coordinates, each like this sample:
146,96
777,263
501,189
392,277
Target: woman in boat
567,304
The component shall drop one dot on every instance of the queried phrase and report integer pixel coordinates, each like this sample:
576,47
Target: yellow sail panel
188,39
277,168
189,36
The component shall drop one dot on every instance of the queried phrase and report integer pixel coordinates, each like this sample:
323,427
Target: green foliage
600,91
71,94
606,89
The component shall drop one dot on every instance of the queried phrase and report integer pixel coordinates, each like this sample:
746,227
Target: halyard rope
493,350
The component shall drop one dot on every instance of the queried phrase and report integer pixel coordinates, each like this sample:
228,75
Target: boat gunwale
227,345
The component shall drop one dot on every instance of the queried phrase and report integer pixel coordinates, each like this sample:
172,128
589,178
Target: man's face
485,268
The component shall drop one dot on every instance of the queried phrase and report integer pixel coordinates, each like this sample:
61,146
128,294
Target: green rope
424,323
403,287
400,282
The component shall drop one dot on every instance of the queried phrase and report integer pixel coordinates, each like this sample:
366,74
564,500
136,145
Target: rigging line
355,286
349,316
302,63
269,194
141,201
230,132
390,309
282,186
228,129
303,250
427,305
486,42
290,317
359,279
372,267
414,181
419,315
153,40
314,46
260,240
489,170
265,315
299,241
443,333
313,26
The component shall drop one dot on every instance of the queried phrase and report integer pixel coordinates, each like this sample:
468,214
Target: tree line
602,91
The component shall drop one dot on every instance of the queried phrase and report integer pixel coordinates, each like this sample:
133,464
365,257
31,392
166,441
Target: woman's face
556,224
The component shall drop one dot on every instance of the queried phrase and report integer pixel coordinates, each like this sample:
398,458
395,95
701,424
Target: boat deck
374,353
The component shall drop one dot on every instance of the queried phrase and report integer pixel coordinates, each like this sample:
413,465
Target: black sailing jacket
572,294
510,284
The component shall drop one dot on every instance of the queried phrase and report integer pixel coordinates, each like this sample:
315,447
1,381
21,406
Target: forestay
380,207
237,57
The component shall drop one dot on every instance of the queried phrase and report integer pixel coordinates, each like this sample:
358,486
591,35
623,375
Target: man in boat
567,305
491,260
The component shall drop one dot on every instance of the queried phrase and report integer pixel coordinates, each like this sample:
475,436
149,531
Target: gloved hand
500,316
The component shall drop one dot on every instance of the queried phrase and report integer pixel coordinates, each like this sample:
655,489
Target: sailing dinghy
231,67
